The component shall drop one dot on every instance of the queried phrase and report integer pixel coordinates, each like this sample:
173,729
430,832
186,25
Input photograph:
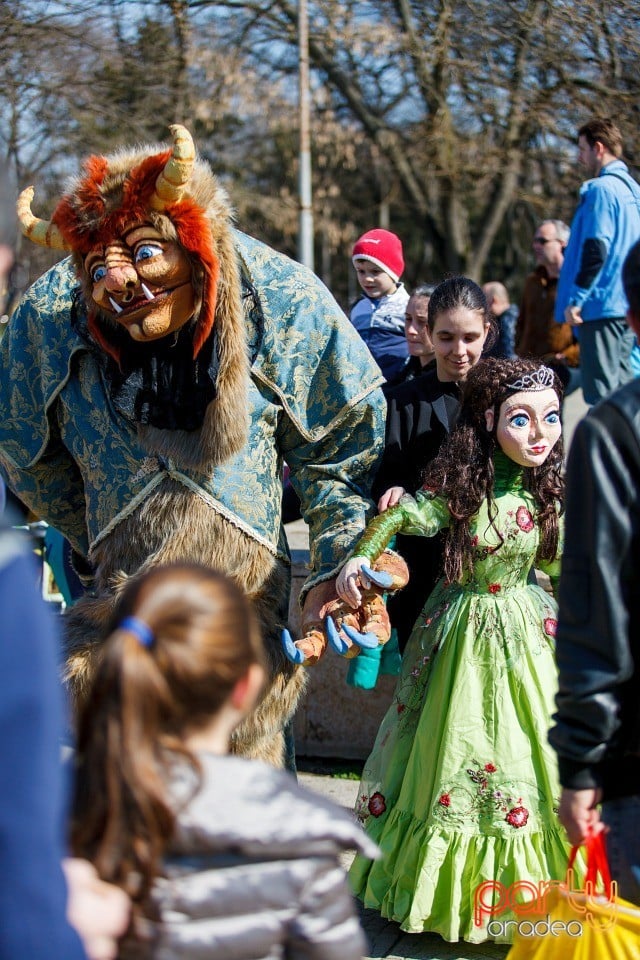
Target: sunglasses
542,240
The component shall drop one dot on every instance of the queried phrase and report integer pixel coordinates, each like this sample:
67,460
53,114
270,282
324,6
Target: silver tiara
540,379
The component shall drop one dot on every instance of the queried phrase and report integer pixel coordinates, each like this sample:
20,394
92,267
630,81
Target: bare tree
450,121
470,105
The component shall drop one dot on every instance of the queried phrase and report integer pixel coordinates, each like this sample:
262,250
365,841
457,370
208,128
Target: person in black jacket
597,725
420,415
421,357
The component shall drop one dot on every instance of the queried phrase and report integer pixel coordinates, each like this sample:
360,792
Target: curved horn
43,232
172,183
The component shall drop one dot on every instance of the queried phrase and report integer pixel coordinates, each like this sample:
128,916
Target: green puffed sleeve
423,516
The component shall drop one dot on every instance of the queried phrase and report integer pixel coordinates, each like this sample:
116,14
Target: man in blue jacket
590,293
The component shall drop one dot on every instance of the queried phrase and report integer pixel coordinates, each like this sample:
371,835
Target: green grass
331,767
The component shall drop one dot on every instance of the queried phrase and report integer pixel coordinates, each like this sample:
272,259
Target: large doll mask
528,425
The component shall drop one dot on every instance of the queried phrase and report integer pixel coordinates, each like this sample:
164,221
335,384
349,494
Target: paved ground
386,940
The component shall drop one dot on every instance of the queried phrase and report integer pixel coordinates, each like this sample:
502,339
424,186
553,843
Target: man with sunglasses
537,333
590,293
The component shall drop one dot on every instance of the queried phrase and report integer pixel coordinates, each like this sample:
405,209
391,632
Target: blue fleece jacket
604,228
33,893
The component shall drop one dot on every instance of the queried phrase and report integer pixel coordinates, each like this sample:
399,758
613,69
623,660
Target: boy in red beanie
379,315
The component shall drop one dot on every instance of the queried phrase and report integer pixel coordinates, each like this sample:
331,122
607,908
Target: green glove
364,669
391,660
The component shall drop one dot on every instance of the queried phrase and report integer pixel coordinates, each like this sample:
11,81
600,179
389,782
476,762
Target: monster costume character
154,383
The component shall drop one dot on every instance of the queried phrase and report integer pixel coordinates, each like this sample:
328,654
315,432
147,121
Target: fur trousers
174,525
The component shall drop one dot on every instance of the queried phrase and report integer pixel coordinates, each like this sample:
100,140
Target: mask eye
553,417
98,273
520,420
146,251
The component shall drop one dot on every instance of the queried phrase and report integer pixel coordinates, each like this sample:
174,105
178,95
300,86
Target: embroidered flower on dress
550,626
492,798
524,519
376,805
517,817
494,588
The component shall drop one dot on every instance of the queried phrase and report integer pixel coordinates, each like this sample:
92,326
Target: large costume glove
326,619
365,669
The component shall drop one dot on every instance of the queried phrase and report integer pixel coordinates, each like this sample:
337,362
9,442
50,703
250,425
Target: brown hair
461,293
605,131
463,471
202,638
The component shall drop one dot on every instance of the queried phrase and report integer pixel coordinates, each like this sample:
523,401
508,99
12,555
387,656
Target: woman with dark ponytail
213,850
461,788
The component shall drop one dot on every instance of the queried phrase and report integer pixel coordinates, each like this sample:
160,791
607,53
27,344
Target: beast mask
149,231
124,213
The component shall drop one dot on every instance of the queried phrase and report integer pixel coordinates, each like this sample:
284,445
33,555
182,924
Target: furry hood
178,194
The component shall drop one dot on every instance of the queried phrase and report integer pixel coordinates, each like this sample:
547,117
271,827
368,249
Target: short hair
563,232
631,279
604,130
496,290
424,290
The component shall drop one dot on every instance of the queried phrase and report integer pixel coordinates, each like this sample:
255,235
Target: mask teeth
147,292
116,306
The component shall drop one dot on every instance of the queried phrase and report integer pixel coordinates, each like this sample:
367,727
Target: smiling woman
458,324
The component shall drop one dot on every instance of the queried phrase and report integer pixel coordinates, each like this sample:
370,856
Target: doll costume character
461,786
153,387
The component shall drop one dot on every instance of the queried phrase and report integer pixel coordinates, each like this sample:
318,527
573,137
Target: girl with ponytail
213,849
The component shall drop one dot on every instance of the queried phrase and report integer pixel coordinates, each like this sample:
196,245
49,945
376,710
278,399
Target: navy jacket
33,892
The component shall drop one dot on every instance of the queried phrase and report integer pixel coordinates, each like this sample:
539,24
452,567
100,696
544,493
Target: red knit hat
383,248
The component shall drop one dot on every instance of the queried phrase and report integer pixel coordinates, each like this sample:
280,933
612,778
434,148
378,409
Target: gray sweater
253,872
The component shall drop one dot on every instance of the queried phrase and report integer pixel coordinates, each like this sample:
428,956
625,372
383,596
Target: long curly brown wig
463,471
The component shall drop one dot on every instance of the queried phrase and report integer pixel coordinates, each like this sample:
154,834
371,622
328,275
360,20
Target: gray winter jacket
253,872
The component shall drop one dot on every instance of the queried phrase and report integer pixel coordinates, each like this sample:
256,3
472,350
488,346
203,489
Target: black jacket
420,415
597,724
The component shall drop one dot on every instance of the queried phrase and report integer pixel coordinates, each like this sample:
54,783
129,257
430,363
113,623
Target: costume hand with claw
345,625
